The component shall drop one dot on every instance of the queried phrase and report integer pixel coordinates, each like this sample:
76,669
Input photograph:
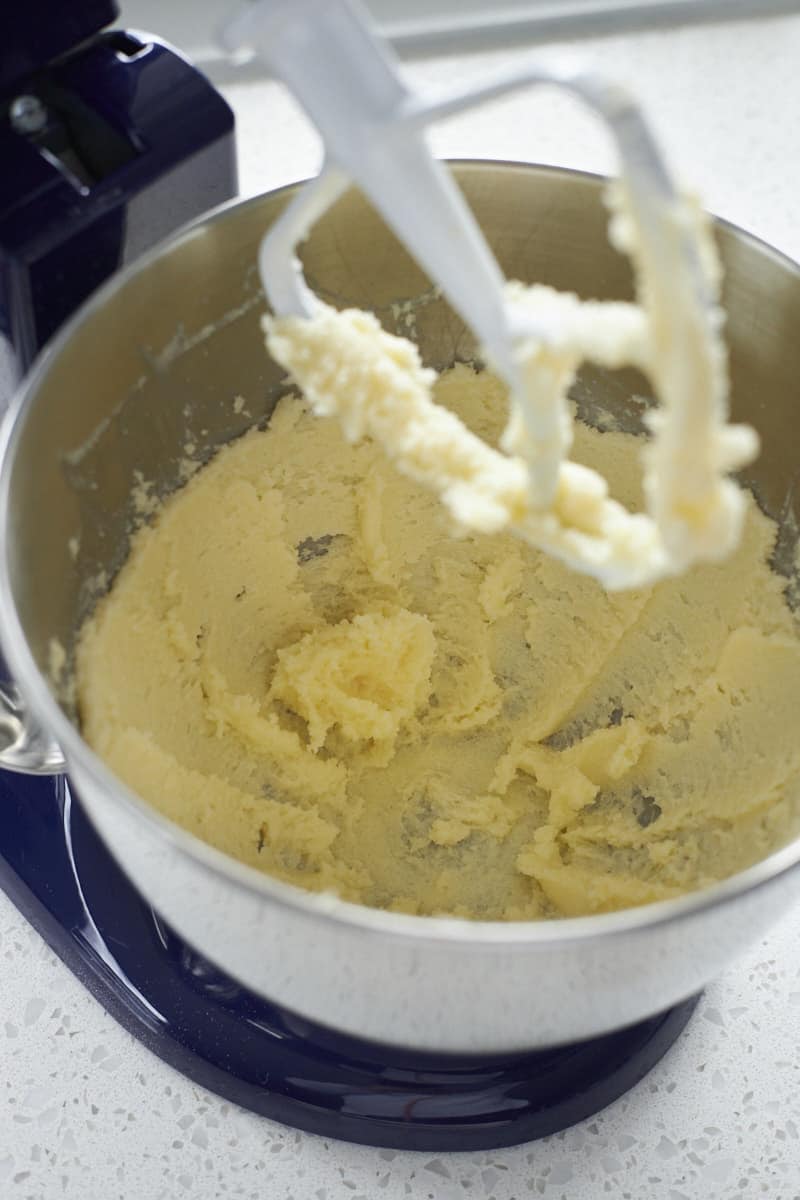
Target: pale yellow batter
300,664
347,365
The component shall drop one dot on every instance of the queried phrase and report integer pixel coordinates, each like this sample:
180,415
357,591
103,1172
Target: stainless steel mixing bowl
154,361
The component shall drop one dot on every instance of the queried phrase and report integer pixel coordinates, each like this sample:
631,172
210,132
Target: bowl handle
24,745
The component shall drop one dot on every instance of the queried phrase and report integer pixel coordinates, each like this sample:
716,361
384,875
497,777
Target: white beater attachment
373,129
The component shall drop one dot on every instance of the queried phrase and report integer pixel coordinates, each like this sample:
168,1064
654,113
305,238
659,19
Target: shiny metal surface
155,360
25,745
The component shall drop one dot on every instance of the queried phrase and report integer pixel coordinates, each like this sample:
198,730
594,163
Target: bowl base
59,874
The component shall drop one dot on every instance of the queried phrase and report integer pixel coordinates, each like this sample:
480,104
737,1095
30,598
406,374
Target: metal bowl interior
155,360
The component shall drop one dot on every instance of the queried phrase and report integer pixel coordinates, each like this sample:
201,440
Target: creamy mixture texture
347,365
303,666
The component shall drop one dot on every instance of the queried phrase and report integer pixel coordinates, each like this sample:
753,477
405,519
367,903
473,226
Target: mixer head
108,141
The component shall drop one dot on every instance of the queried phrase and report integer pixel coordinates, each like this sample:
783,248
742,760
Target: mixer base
56,870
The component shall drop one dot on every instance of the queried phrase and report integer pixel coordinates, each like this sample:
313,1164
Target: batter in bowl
303,666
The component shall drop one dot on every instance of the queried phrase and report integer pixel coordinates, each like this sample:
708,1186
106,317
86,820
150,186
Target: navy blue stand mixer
110,140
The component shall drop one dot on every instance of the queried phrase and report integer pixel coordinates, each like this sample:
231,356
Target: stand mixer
58,872
109,141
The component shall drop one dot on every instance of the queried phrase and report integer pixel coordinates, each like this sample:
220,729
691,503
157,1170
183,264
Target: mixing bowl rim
498,935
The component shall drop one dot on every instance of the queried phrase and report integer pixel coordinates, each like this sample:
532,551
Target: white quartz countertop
86,1113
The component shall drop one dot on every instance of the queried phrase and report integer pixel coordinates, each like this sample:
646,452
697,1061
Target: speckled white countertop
87,1114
